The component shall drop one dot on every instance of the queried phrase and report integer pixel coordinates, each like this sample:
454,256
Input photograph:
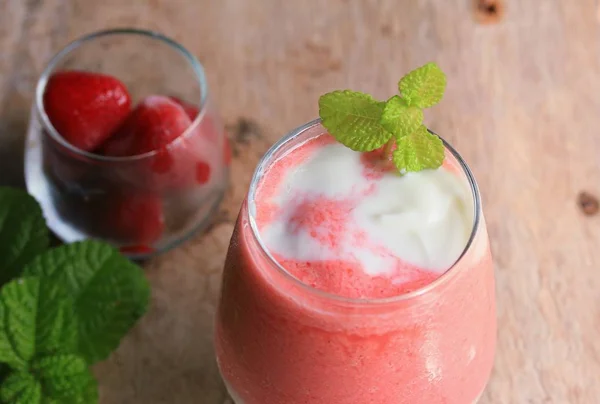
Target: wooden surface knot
588,203
489,11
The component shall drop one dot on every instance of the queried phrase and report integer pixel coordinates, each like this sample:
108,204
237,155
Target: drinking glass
279,340
143,204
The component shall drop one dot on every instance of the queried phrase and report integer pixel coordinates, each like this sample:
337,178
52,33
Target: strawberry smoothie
348,283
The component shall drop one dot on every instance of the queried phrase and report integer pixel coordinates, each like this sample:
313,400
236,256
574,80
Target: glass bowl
146,203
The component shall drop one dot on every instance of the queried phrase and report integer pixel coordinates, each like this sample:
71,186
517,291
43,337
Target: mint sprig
67,308
363,124
423,87
419,150
400,118
354,119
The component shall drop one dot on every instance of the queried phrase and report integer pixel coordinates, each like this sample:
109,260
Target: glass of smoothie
348,283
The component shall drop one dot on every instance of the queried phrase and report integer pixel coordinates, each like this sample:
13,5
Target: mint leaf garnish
23,232
62,378
418,151
36,317
354,119
399,118
423,87
110,293
362,123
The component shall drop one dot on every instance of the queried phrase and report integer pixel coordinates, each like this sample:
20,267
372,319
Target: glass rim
289,137
70,47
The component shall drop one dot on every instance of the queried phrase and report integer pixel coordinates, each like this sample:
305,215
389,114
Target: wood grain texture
522,107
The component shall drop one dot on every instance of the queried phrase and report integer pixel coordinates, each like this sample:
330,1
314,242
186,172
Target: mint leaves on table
60,378
66,308
363,124
36,318
23,232
109,292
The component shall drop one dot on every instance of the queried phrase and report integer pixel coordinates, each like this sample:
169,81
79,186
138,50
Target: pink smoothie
318,306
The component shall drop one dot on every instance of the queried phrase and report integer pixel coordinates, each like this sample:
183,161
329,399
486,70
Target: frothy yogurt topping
324,202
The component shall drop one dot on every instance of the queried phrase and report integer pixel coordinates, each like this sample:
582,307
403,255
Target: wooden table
522,106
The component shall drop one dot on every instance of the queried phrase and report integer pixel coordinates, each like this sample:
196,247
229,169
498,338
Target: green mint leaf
418,151
110,292
65,378
36,317
423,87
354,119
90,394
23,232
53,379
21,387
399,118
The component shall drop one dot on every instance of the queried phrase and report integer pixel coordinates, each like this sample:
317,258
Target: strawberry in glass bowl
124,143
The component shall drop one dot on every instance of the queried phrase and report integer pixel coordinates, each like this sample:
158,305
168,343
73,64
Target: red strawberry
152,125
206,127
202,173
136,249
190,109
136,219
85,108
